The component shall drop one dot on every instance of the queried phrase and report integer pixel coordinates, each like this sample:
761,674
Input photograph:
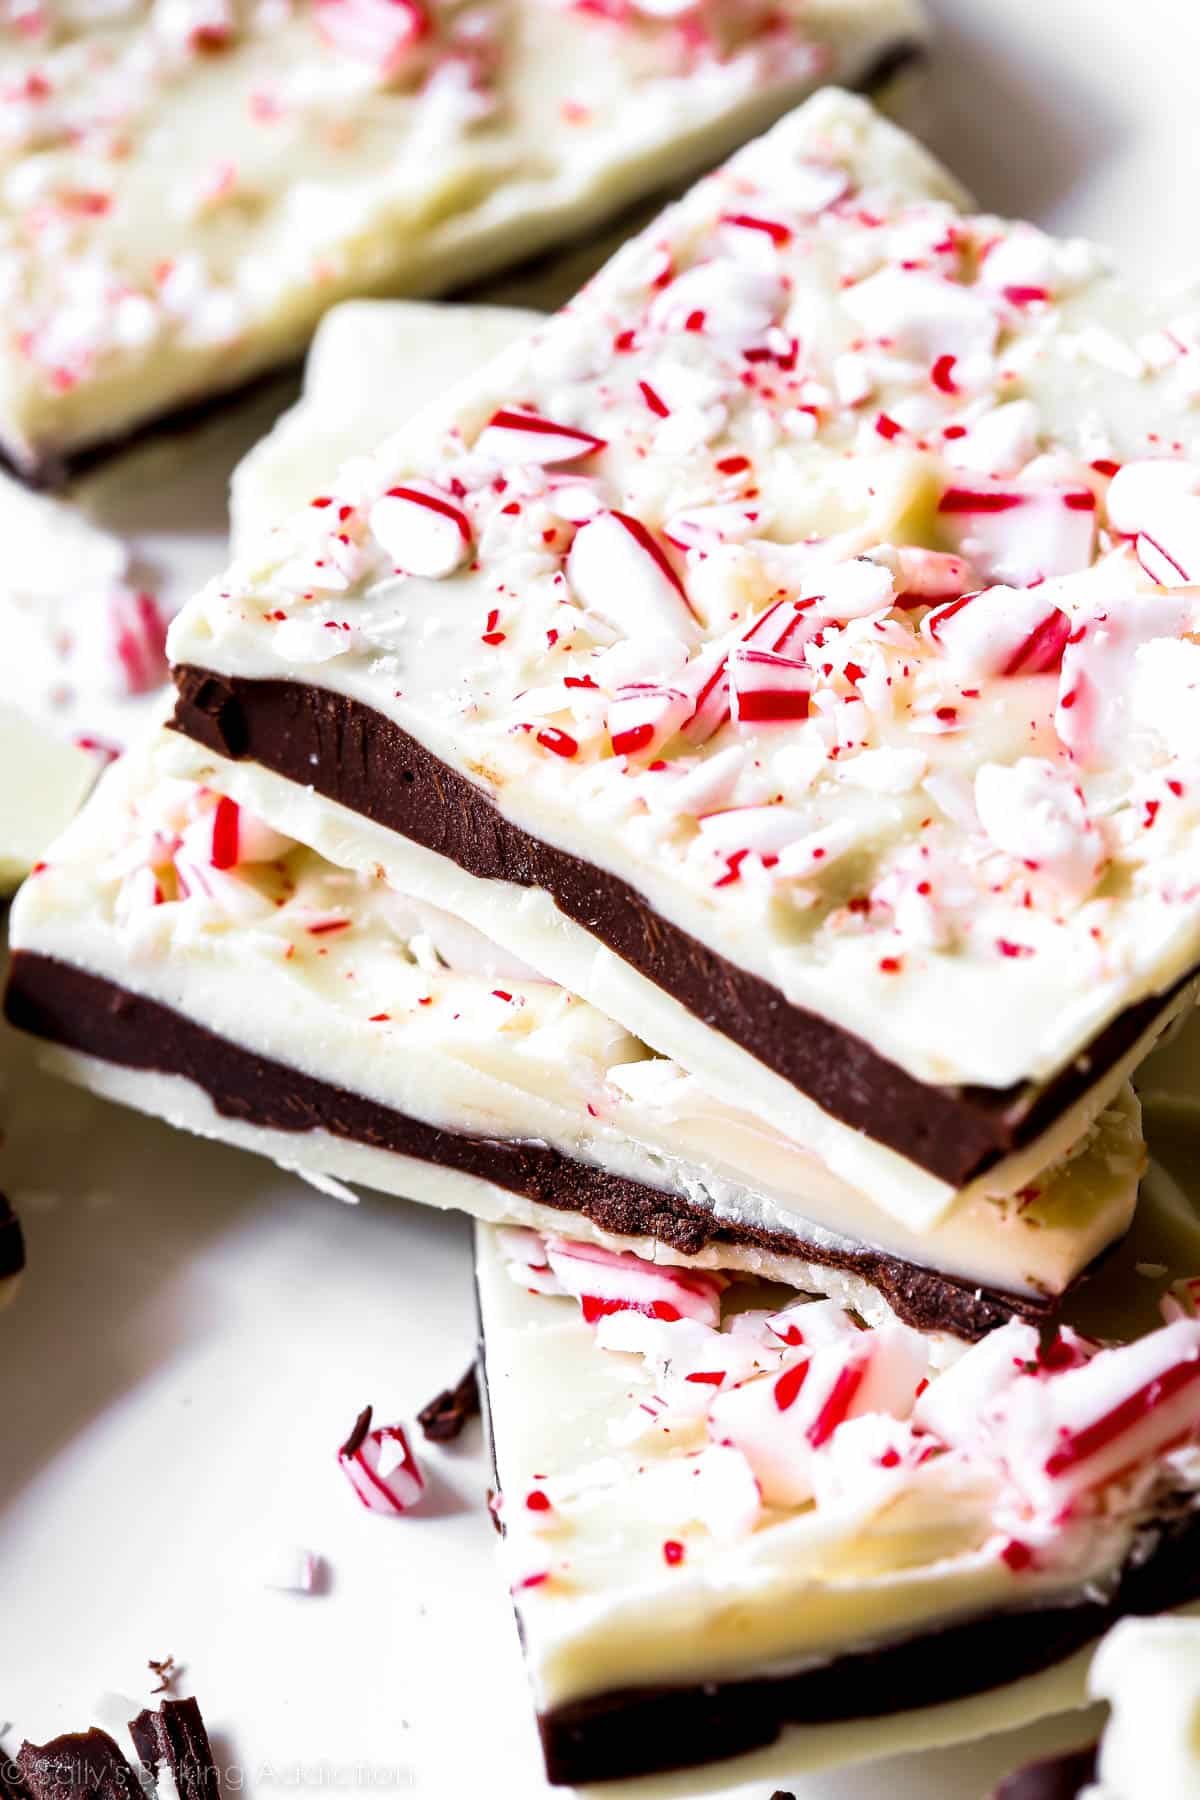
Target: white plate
197,1331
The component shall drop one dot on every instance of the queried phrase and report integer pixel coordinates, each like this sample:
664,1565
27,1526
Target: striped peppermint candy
1020,535
137,639
1064,1436
516,434
618,570
781,1420
383,33
1157,503
1096,687
641,719
424,531
380,1466
229,834
608,1281
1001,631
766,688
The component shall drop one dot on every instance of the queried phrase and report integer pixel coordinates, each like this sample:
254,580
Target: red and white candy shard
768,689
423,531
230,834
138,639
779,1421
379,1465
516,435
1001,631
525,1259
1036,813
608,1281
1020,535
382,33
1092,718
619,571
642,719
1157,503
1063,1436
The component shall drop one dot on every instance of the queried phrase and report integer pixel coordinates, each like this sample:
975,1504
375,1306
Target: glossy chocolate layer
363,760
66,1005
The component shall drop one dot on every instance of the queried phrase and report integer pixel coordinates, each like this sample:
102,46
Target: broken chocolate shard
448,1412
175,1738
12,1242
79,1765
1054,1778
65,1005
359,1433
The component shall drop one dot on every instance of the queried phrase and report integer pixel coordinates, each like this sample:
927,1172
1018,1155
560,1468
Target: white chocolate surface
367,991
1149,1672
859,1570
185,189
1106,923
42,785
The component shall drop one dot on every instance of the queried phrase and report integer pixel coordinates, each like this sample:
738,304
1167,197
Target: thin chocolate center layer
358,757
644,1731
66,1005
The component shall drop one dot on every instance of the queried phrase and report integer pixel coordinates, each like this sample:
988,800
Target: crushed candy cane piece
380,1466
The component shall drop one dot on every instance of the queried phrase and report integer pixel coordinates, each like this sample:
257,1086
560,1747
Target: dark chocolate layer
54,1000
1054,1778
644,1731
363,760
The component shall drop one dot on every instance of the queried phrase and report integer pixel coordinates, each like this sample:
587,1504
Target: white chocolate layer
42,785
364,354
369,992
186,188
1149,1672
927,840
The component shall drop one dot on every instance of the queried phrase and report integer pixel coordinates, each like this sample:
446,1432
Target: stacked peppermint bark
719,792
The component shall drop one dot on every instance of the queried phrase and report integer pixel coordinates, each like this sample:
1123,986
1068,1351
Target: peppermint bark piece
755,651
732,1531
187,189
391,1044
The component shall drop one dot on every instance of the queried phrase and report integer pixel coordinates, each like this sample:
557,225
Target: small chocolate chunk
175,1736
443,1419
1056,1778
80,1765
12,1243
359,1434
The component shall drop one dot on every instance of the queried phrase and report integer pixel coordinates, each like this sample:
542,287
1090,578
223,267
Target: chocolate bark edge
65,1005
363,760
651,1730
1053,1778
175,1736
51,470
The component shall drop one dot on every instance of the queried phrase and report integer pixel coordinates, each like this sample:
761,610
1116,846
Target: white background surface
197,1332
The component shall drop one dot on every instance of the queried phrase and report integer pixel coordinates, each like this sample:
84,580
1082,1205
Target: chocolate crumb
80,1765
443,1419
780,1795
167,1674
12,1243
358,1437
176,1736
